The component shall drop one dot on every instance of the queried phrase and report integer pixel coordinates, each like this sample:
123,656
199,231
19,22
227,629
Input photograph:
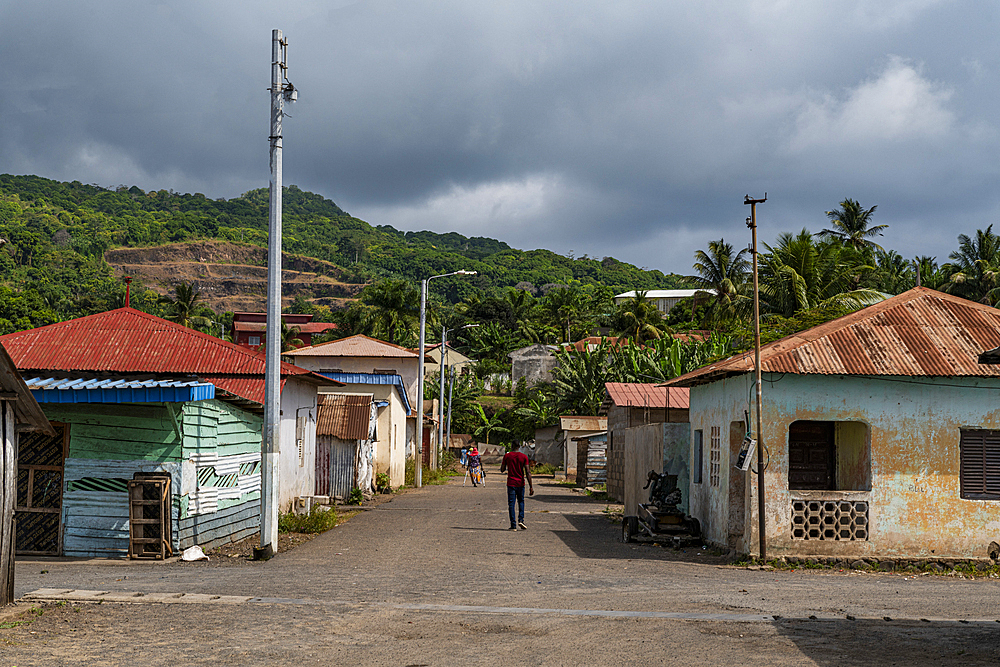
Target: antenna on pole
281,90
752,224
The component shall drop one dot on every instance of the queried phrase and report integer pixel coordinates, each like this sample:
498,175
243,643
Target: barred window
715,457
698,462
979,454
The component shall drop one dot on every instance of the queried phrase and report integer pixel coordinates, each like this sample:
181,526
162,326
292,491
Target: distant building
458,362
249,328
665,299
533,363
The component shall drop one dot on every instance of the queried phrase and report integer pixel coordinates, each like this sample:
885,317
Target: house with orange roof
881,436
129,393
384,371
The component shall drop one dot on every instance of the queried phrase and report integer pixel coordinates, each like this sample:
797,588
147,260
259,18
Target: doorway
38,513
737,487
812,460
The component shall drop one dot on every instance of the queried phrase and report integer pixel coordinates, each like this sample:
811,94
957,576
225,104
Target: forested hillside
54,266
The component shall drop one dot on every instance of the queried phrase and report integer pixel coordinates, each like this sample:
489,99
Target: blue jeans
515,493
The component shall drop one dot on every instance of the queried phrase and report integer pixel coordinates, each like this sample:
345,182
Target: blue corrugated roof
374,378
118,390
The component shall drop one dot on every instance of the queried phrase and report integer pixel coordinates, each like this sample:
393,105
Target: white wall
296,474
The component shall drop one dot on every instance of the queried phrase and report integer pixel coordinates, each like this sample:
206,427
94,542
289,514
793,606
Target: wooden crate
149,517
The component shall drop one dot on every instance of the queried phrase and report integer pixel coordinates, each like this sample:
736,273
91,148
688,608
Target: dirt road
434,578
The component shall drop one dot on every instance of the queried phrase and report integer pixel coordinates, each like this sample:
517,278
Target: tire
630,527
694,527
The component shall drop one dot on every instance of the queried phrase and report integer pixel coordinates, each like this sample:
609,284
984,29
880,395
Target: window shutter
979,453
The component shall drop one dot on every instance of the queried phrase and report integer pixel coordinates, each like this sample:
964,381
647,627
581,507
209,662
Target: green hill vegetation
53,265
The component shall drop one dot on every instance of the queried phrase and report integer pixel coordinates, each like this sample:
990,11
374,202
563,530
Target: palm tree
799,274
974,269
565,307
726,273
184,307
488,424
394,306
852,225
290,337
638,318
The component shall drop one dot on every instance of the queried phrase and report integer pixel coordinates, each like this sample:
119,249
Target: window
698,454
979,454
715,457
254,340
829,456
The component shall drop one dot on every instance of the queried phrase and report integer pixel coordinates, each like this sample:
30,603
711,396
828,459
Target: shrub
318,520
382,483
355,497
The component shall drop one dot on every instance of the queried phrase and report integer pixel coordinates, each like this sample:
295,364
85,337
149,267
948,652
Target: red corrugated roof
353,346
344,416
647,395
921,332
130,341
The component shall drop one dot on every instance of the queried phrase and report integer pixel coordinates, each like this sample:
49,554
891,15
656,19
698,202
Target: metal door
38,513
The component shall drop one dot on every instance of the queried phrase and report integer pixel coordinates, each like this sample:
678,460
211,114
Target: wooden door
811,456
38,513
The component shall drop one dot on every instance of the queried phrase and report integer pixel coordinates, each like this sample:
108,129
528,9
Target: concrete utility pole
281,90
752,224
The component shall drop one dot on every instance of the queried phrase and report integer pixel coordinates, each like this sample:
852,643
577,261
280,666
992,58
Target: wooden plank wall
211,450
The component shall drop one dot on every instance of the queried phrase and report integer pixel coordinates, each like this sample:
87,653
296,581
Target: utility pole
441,367
752,224
281,89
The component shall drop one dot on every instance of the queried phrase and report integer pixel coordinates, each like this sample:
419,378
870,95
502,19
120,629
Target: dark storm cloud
623,129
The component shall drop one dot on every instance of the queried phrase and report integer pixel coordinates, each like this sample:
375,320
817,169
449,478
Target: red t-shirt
516,464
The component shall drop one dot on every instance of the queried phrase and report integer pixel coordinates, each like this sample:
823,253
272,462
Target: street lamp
418,450
441,367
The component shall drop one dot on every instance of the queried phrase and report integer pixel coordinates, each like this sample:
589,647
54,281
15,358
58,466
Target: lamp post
441,366
418,450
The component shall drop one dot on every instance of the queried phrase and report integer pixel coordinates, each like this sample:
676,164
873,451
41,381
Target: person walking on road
516,465
475,467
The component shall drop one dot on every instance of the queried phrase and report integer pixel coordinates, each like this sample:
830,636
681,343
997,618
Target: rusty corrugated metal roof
344,416
647,395
127,341
353,346
921,332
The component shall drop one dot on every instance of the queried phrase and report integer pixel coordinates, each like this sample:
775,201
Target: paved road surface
434,577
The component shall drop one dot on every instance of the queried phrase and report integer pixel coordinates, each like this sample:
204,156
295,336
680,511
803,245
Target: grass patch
429,476
543,469
568,484
317,521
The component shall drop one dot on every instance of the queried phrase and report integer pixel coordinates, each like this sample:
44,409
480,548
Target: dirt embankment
230,276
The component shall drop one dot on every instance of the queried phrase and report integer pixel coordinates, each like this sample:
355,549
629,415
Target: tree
638,318
975,267
799,274
487,425
852,226
394,306
184,308
725,272
564,307
579,379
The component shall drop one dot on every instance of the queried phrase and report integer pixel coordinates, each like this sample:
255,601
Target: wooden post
8,497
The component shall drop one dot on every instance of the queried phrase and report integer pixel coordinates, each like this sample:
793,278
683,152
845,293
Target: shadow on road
477,528
875,642
598,537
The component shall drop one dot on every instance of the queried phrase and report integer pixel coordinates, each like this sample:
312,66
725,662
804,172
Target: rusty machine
660,518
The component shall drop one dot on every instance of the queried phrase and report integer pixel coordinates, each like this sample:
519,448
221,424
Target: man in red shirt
516,465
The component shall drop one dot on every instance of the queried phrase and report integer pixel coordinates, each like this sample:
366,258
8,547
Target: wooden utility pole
752,224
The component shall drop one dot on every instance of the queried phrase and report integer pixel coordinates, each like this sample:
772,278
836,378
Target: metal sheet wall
335,466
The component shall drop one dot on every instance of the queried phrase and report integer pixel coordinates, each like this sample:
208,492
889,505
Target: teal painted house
130,393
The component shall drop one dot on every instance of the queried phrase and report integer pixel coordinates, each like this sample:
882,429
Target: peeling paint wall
899,454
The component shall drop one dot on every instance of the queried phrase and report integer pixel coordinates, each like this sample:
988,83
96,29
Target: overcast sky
629,129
